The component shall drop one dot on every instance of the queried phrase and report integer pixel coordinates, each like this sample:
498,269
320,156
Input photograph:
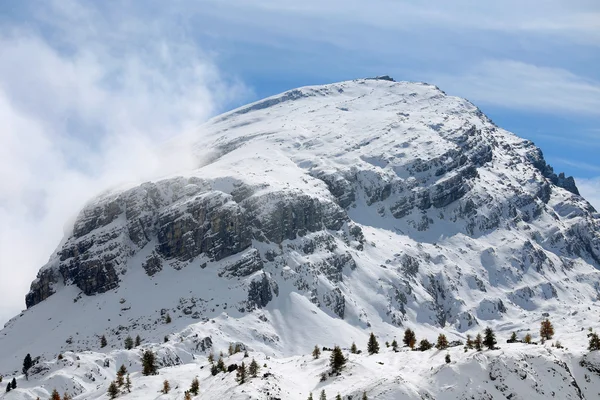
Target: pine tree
323,395
187,396
27,364
442,342
241,374
527,338
353,348
168,318
128,343
128,384
364,396
214,370
55,395
121,375
113,390
148,363
13,384
469,343
120,380
231,350
253,368
1,377
489,338
316,352
166,387
211,358
447,358
478,342
138,340
221,365
8,387
594,343
395,345
546,329
103,341
310,396
425,345
338,397
195,387
513,338
337,360
66,396
372,346
410,339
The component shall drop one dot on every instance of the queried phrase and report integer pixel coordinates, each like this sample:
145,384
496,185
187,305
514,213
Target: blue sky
87,89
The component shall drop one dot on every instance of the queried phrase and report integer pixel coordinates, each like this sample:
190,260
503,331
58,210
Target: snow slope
318,216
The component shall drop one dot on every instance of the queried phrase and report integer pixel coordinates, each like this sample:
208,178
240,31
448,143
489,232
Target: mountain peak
317,216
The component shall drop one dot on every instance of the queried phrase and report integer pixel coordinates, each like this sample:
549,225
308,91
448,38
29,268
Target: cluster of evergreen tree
120,384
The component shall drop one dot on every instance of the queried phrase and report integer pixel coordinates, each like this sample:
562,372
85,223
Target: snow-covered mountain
318,216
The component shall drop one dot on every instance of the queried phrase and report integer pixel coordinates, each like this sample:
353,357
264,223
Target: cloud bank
82,110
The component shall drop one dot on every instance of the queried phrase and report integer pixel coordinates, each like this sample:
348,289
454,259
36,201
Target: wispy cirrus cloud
522,86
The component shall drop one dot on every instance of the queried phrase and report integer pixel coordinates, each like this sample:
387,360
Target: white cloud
522,86
82,111
590,190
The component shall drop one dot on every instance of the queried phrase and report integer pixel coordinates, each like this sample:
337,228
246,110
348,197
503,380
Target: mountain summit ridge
316,216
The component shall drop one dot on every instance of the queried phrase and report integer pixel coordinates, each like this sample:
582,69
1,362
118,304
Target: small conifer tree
221,365
168,319
195,387
27,364
353,348
187,396
149,363
527,338
489,338
410,339
241,374
323,396
338,397
8,387
166,387
253,368
211,358
316,352
128,383
513,338
13,384
103,341
128,343
55,395
395,345
478,342
425,345
594,343
231,349
337,360
138,340
546,329
113,390
447,358
442,342
372,345
469,345
364,396
310,396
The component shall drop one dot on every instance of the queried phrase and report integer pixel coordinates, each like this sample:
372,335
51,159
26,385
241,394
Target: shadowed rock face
192,221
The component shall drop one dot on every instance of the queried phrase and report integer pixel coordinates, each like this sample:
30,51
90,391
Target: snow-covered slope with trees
316,217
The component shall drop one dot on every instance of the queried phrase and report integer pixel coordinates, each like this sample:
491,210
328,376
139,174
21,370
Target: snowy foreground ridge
316,217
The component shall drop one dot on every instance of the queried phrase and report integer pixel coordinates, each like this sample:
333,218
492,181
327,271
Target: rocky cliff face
372,203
